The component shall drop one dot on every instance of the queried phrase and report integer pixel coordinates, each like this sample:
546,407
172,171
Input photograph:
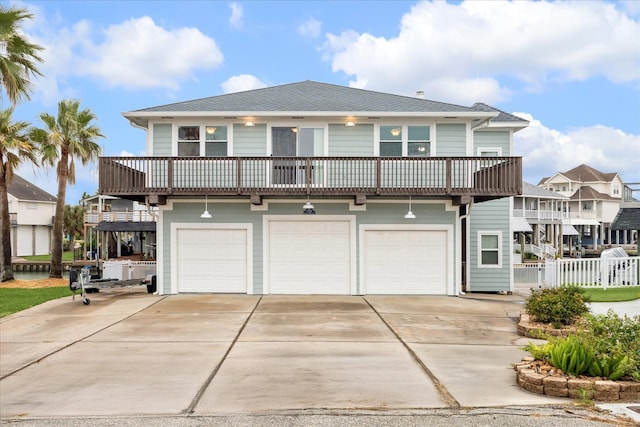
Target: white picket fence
583,272
127,269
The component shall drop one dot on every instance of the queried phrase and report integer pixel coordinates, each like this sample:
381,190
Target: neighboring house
594,200
539,214
305,188
115,227
31,210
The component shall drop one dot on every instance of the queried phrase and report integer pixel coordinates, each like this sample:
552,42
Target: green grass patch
66,256
627,293
13,300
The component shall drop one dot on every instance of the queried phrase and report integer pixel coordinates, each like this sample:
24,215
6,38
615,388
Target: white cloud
241,83
474,42
310,28
236,15
547,151
131,54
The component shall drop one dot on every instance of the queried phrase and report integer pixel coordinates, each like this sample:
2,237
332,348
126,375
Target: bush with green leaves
613,338
607,344
557,306
571,356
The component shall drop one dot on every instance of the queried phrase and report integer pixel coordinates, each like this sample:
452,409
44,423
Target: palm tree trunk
6,268
56,250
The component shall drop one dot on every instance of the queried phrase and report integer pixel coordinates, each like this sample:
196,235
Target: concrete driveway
130,353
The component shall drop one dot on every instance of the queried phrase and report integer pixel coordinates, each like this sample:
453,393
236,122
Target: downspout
466,217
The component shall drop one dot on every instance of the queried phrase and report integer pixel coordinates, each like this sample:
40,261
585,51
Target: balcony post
378,175
170,175
448,175
239,175
307,175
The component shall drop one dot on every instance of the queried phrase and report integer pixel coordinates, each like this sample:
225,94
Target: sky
571,68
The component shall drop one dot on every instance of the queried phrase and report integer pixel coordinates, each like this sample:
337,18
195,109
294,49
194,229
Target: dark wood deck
482,178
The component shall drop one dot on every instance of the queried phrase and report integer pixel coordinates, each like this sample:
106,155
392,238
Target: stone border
576,388
527,328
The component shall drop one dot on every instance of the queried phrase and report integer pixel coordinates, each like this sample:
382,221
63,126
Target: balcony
124,216
540,214
483,178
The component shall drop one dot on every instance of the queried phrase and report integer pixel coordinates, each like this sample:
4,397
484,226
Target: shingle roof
627,219
313,97
588,193
585,173
23,190
502,116
530,190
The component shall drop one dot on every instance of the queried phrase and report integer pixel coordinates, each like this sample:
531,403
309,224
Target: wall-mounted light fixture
308,208
409,214
249,124
350,124
206,214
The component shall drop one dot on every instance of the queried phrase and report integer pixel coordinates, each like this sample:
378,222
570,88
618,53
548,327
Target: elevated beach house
313,188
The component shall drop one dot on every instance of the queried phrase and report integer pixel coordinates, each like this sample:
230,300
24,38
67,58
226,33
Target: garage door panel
405,261
212,260
309,257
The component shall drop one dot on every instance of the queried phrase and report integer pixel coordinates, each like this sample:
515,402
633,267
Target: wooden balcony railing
481,177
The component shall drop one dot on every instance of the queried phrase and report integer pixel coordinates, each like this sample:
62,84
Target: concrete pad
44,328
311,303
111,379
281,376
453,329
316,326
441,305
480,375
15,355
175,327
204,303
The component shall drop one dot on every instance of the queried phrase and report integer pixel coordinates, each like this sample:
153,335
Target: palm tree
69,136
18,57
15,146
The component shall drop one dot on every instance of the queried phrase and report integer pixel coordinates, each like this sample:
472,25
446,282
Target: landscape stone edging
575,388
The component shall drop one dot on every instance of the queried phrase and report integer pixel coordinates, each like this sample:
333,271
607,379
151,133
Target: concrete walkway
130,354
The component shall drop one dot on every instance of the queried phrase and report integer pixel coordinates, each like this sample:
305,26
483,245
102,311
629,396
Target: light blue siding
490,216
250,141
492,139
229,213
161,139
451,139
356,141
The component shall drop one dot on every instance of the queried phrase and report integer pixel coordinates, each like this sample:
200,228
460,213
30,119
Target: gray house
313,188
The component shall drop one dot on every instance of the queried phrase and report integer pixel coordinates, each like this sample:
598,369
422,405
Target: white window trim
489,233
405,137
202,125
497,150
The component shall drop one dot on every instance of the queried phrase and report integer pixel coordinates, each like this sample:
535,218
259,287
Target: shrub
612,337
558,306
571,356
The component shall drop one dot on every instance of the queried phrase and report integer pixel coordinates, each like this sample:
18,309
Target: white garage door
405,262
212,260
309,257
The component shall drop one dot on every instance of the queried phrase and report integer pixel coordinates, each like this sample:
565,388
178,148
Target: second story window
208,140
398,140
587,206
189,141
215,141
390,141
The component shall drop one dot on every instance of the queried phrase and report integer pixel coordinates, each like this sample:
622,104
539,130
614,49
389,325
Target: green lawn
13,300
627,293
66,256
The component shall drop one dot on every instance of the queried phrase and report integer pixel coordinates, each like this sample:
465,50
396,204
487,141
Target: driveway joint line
58,350
196,399
446,397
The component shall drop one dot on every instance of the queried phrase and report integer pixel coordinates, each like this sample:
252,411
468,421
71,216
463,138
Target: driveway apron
129,353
